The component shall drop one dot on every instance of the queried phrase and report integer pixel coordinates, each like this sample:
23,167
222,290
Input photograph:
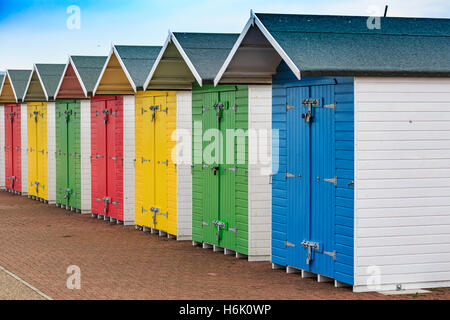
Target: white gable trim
124,68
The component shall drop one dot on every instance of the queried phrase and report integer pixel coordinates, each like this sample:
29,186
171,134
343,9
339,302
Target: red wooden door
107,156
98,156
115,157
12,147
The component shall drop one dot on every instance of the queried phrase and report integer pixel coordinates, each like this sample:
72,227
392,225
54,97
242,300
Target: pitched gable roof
190,57
43,82
126,69
344,45
13,85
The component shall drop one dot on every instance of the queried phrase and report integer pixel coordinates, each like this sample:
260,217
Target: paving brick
38,242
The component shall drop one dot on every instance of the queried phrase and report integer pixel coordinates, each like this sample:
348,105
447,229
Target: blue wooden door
311,178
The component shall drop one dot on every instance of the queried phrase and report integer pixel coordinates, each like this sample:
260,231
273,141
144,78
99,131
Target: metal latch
107,201
310,246
309,103
105,112
153,109
332,180
220,225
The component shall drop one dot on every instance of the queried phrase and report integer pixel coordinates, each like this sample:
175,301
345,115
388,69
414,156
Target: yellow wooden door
144,181
42,152
161,163
32,147
155,170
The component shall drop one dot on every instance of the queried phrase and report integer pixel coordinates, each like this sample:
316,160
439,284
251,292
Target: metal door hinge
331,106
289,175
165,162
233,169
288,244
351,184
234,108
331,254
205,223
204,109
166,110
289,107
332,180
232,230
204,166
165,214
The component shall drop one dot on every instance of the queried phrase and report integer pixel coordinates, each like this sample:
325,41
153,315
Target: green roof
2,76
344,45
19,80
138,60
50,75
89,69
206,51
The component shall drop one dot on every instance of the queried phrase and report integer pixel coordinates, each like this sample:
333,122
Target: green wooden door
61,153
228,169
74,153
211,162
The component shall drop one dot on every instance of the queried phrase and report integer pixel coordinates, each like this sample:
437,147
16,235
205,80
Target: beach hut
73,128
360,189
13,137
228,214
41,139
2,137
113,131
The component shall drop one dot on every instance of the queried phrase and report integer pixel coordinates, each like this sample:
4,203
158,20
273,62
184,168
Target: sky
37,31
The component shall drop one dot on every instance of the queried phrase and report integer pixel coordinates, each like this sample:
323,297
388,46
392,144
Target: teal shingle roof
138,60
207,51
89,69
19,80
50,76
344,45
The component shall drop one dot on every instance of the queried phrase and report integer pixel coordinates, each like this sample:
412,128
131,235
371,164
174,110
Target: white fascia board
187,60
78,76
158,59
116,53
103,71
62,78
251,22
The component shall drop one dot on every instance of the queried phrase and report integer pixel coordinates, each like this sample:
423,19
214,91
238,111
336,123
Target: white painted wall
402,182
85,139
260,168
24,147
128,159
184,161
51,150
2,147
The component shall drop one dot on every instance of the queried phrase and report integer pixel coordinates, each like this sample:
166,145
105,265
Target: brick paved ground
38,242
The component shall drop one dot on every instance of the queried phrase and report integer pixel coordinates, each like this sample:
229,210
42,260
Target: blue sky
35,31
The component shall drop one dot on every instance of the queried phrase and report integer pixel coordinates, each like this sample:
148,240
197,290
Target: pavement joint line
39,292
